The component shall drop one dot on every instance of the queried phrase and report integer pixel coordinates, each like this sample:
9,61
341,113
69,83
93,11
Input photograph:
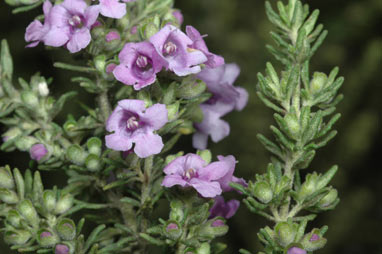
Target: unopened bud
64,204
173,111
38,151
318,82
285,233
49,200
213,228
176,213
172,230
25,143
313,241
9,196
76,154
292,124
296,250
6,179
29,98
94,145
27,210
66,229
61,249
93,163
329,199
42,88
262,191
100,62
17,237
14,218
46,238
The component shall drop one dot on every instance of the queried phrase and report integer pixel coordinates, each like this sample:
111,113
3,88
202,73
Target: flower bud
204,248
191,89
112,39
29,98
49,200
262,191
93,163
296,250
176,213
313,241
94,145
46,238
27,210
110,68
308,187
64,204
12,133
213,228
6,179
61,249
329,199
8,196
318,82
173,111
14,218
66,229
292,124
38,151
172,230
285,233
17,237
76,154
100,63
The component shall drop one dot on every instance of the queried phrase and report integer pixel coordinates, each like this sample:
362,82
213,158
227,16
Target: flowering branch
302,104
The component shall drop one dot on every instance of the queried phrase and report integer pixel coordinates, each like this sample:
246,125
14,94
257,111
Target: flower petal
112,8
118,142
205,188
156,116
171,180
80,40
147,144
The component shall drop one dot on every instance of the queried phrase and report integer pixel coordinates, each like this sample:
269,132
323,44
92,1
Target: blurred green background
239,30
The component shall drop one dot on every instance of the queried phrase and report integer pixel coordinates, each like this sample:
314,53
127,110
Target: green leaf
270,146
318,42
281,137
270,104
6,68
93,236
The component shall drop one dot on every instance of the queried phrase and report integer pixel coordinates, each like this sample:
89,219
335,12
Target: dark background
239,30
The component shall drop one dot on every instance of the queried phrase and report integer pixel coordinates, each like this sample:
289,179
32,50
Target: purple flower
139,65
37,32
296,250
68,23
191,171
224,209
225,98
173,46
198,43
38,151
179,16
61,249
132,123
229,177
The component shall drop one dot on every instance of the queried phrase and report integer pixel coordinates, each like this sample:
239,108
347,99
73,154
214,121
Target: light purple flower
37,32
173,46
179,16
132,124
296,250
224,209
68,23
139,65
38,151
199,43
191,171
226,98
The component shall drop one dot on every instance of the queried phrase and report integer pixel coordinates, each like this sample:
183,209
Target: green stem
104,105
